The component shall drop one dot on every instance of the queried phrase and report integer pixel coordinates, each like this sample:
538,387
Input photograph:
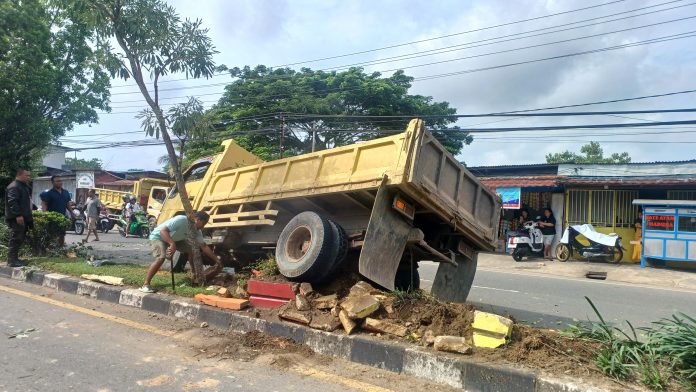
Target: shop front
669,230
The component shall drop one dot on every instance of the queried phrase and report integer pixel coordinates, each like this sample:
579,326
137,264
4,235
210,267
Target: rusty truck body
396,200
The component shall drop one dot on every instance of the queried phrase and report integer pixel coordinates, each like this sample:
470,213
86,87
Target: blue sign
511,197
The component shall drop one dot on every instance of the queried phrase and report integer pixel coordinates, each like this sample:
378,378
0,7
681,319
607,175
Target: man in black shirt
56,200
548,229
18,215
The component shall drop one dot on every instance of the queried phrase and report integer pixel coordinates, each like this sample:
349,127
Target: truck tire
306,248
338,252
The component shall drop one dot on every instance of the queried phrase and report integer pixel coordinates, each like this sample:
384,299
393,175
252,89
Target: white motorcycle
527,241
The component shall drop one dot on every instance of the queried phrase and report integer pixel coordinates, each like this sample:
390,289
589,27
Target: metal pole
282,134
314,138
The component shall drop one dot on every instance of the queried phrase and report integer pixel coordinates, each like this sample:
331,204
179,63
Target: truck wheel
407,279
339,250
452,284
306,248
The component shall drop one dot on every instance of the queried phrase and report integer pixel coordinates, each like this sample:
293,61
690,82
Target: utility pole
282,134
314,137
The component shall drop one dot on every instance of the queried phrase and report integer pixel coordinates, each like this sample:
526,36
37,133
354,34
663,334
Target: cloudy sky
278,32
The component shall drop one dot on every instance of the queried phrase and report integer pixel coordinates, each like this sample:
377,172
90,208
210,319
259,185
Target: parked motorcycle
104,222
138,227
527,241
77,220
606,247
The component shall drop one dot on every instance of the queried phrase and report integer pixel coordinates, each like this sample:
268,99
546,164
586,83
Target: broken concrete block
306,289
452,344
363,288
383,326
360,307
301,303
428,338
348,324
490,330
224,292
296,316
325,322
335,310
325,302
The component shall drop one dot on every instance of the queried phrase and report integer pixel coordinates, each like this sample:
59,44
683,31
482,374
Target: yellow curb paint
304,371
90,312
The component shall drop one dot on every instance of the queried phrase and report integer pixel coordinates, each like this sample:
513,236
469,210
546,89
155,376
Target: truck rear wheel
306,248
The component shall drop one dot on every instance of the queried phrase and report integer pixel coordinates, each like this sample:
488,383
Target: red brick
269,289
266,302
231,303
206,299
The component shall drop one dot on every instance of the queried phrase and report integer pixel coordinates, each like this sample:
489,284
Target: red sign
659,222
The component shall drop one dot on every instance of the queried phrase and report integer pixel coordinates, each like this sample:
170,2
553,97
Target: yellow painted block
486,341
490,330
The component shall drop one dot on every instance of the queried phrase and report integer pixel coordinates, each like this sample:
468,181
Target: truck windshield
194,173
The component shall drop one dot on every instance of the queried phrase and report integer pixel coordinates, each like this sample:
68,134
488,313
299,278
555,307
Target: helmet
132,199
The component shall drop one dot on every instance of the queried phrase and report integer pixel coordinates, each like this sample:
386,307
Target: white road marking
496,289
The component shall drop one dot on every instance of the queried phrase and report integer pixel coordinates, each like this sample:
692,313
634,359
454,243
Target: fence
601,208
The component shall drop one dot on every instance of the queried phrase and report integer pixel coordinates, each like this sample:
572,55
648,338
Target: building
55,157
598,194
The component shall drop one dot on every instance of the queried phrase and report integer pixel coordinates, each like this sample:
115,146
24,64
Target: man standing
18,215
171,236
56,200
92,211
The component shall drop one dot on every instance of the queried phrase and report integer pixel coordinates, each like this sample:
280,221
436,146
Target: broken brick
452,344
325,302
301,303
348,324
296,316
306,289
363,288
360,307
383,326
224,292
325,322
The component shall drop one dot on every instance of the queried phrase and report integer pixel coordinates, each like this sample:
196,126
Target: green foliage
83,164
52,77
669,351
263,93
590,153
267,266
48,227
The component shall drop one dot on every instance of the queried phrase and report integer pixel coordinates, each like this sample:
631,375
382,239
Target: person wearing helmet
131,208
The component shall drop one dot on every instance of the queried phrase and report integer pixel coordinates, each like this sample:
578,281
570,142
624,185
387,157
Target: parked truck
395,201
149,192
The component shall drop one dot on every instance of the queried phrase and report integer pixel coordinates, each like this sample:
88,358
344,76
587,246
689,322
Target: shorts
91,223
159,248
548,239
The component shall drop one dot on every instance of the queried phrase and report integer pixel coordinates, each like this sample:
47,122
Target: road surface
83,344
555,302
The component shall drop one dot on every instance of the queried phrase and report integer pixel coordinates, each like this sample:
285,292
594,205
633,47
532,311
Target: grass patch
267,266
132,274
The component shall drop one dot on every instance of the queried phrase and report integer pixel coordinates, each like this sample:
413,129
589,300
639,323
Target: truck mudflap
385,240
453,282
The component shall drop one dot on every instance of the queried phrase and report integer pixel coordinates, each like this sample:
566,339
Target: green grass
133,275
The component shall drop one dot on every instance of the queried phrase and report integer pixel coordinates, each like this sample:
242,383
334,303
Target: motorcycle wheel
79,228
122,232
105,228
517,255
152,222
144,232
562,252
618,256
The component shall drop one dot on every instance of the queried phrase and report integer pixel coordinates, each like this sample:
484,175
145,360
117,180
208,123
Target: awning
522,182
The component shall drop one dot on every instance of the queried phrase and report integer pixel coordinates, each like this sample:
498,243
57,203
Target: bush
42,239
48,228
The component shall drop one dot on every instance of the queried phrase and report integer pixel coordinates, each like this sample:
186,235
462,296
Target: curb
451,370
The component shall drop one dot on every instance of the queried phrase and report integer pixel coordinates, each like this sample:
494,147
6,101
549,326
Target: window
601,207
159,195
681,195
687,224
197,172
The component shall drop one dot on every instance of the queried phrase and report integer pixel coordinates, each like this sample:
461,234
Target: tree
154,41
83,164
51,78
590,153
261,100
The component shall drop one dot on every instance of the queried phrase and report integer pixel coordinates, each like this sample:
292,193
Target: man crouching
171,236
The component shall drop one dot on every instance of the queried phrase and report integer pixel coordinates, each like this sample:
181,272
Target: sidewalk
626,273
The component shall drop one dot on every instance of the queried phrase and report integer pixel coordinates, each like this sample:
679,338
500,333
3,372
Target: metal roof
651,202
522,181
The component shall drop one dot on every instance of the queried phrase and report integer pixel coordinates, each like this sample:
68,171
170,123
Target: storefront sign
85,180
511,197
659,222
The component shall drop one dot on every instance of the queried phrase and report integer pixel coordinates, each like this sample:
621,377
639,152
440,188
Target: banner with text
511,197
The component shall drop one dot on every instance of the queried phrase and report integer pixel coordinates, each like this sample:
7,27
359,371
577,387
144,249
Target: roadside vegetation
662,356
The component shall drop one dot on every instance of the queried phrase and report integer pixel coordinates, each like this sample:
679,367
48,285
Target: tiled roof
522,181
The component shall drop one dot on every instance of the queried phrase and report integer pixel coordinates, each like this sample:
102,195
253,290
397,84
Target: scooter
104,222
606,247
77,220
527,241
139,226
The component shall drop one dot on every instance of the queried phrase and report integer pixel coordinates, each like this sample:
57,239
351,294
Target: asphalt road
83,344
555,302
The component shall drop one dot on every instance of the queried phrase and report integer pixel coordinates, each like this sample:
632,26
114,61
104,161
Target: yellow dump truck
393,201
149,192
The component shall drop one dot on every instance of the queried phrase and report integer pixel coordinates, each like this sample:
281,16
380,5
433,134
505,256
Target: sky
278,32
